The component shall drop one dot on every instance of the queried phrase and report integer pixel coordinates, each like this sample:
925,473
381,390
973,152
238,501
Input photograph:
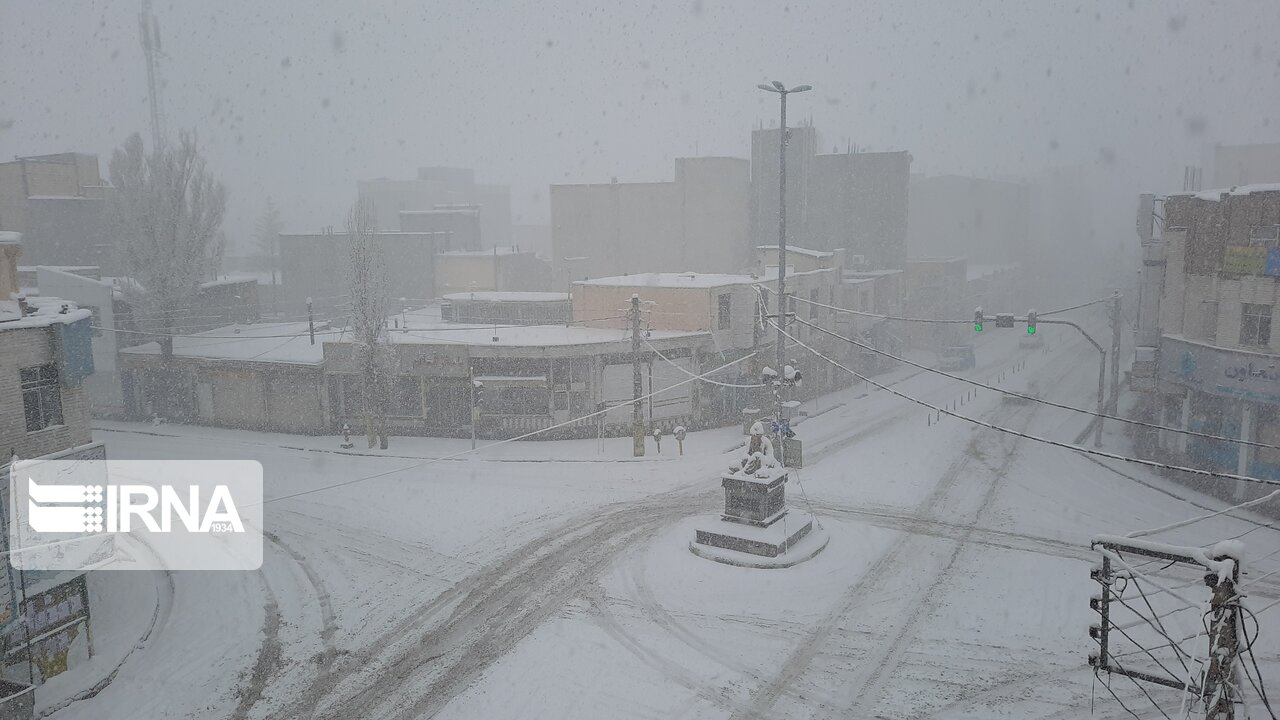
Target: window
1255,325
41,397
726,310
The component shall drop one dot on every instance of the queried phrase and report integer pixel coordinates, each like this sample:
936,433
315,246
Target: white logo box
135,514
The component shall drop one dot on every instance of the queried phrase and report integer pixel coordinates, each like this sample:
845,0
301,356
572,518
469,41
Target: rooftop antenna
149,30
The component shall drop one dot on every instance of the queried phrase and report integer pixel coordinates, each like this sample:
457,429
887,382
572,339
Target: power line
1075,307
1036,438
878,315
1191,521
1032,398
525,436
687,372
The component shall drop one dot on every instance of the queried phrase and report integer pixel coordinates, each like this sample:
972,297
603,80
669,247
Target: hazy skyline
299,101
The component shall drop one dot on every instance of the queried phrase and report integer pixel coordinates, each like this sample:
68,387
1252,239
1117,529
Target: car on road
958,357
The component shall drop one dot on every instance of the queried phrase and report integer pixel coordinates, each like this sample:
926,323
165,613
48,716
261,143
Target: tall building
802,145
856,201
442,188
58,203
698,222
1246,164
1217,264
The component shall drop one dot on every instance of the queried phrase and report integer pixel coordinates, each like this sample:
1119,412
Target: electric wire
1032,398
1036,438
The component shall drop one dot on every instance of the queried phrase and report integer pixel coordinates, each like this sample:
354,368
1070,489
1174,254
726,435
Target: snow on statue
758,453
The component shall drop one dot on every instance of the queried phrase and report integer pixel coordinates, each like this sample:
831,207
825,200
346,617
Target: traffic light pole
980,319
1113,401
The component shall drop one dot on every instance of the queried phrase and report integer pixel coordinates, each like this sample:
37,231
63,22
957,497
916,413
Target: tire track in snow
886,662
328,624
418,672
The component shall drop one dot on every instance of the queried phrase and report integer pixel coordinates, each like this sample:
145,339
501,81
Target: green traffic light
1031,330
977,328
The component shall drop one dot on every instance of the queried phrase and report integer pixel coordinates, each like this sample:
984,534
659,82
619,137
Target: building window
726,308
41,397
1255,325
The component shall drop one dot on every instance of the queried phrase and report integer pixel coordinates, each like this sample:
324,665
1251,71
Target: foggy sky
298,100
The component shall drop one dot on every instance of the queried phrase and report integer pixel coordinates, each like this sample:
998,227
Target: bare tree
167,210
368,280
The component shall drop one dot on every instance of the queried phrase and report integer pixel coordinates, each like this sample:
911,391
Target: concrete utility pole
782,92
637,384
1220,693
1114,402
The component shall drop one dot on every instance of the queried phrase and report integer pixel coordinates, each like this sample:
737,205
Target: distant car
959,357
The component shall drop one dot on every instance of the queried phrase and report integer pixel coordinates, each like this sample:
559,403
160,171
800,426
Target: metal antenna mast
149,30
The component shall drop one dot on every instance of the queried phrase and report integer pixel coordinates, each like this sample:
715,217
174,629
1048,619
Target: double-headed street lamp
782,92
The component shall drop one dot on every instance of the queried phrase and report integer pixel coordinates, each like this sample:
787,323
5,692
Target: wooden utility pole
637,384
1220,694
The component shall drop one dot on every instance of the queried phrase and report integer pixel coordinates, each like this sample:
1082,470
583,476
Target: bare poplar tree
368,279
167,212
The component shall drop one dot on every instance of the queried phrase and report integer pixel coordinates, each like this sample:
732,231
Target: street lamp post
781,91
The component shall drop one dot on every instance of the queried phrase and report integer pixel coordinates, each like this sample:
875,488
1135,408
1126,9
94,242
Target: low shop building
529,378
268,376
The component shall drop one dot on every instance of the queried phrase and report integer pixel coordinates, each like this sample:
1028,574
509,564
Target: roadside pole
637,384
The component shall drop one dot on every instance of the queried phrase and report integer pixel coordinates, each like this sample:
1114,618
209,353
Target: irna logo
115,508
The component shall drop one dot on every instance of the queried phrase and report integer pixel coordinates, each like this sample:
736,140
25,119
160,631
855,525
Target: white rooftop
424,327
672,280
1217,194
799,251
8,236
260,342
482,253
512,296
46,311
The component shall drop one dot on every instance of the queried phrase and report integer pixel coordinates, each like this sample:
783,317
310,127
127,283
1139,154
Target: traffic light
477,393
977,320
1031,322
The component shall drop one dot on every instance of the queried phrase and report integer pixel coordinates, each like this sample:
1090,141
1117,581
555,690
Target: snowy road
532,581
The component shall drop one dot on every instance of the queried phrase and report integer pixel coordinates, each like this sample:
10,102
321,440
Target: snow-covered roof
977,272
8,237
424,327
228,281
452,210
1217,194
260,342
672,280
491,296
799,251
46,311
870,273
482,253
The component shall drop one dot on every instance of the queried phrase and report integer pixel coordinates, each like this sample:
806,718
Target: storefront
1228,393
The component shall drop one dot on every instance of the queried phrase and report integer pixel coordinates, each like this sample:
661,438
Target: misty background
297,101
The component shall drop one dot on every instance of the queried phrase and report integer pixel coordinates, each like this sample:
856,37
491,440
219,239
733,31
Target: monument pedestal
757,529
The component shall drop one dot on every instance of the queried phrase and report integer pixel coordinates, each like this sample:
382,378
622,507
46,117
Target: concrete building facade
1215,366
696,223
437,188
58,203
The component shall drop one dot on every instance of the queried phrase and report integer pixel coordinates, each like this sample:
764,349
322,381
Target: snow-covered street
548,580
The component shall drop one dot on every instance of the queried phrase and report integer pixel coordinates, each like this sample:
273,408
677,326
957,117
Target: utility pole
782,92
637,384
1220,694
475,411
311,322
1114,402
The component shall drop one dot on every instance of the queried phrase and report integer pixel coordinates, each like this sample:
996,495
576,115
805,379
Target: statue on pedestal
758,453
